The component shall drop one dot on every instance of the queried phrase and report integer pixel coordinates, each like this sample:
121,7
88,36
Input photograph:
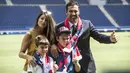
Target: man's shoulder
87,21
60,24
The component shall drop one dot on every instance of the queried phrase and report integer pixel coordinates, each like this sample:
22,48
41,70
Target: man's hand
113,37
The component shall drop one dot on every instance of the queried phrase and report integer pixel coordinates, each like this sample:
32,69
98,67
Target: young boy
67,62
44,63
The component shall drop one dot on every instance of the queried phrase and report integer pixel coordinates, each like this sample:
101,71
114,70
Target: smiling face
63,39
73,13
42,49
42,21
42,44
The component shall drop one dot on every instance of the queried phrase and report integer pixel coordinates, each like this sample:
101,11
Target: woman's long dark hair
49,30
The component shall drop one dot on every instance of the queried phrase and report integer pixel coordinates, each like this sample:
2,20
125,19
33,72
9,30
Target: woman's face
41,21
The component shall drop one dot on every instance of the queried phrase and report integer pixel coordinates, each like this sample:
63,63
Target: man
86,30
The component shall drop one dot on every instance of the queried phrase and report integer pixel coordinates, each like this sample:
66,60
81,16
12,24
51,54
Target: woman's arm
24,47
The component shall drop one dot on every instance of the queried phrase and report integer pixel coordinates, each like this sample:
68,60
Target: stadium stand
121,14
93,13
2,2
21,14
128,1
38,2
58,12
114,2
87,12
18,17
83,1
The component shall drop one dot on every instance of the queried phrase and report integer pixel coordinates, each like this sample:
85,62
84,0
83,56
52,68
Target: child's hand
55,67
75,60
77,65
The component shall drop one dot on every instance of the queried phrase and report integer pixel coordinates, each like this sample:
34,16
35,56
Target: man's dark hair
71,3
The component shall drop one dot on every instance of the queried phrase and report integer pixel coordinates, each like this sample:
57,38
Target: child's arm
77,65
55,67
30,69
36,69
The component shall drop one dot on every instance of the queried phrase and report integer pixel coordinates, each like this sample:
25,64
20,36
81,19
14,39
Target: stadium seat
95,15
2,2
38,1
82,1
121,14
128,1
58,13
22,15
18,17
114,2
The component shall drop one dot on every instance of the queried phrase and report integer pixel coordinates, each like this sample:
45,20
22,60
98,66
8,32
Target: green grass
107,56
9,48
112,56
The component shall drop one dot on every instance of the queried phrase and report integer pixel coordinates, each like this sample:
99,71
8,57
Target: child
67,62
44,63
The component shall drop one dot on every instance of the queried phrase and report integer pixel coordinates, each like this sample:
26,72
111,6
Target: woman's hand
31,60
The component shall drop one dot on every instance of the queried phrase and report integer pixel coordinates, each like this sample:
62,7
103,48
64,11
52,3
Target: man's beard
73,18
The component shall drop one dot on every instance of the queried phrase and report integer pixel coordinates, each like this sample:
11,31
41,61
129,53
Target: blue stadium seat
2,2
128,1
38,1
95,15
58,13
82,1
24,17
121,14
114,2
87,12
18,17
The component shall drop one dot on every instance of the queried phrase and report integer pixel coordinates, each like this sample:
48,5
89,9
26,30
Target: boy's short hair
62,30
41,39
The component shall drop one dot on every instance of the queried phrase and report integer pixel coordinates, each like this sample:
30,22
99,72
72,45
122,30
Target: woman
45,25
